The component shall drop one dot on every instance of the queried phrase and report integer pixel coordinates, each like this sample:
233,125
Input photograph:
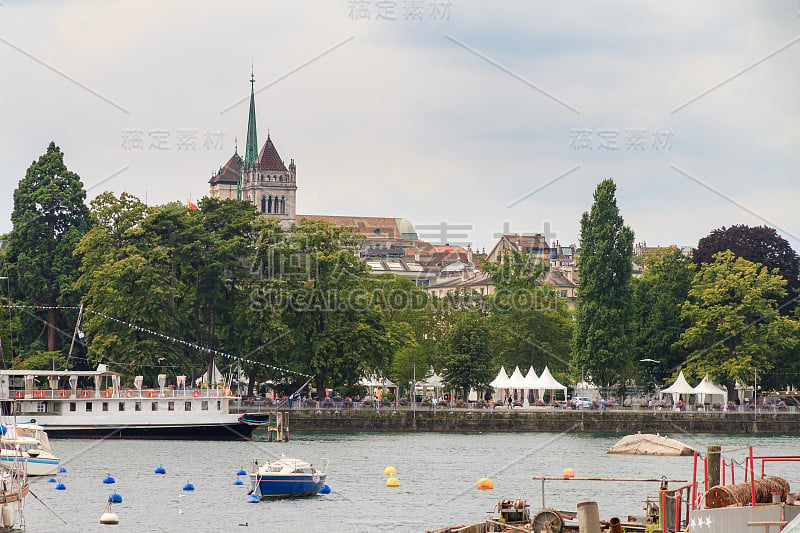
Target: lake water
437,473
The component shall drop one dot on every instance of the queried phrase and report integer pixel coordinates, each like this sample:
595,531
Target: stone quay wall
554,421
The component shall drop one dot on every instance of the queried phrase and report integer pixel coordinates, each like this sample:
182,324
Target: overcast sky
485,116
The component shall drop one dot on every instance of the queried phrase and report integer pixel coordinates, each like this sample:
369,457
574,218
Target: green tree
49,218
339,330
602,345
657,299
467,363
529,324
735,329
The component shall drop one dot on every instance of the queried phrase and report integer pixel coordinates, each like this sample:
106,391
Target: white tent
374,382
548,382
500,384
516,382
681,386
530,382
707,388
433,382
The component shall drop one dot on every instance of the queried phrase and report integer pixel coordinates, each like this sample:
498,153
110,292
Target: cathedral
262,177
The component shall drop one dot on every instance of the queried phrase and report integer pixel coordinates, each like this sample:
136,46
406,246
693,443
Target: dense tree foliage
657,324
530,324
602,346
467,360
49,218
291,304
735,331
760,244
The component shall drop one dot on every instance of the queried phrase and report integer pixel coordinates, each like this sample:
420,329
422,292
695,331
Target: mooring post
713,458
588,517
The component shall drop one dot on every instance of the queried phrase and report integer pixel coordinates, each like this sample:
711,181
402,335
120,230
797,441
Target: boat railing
111,393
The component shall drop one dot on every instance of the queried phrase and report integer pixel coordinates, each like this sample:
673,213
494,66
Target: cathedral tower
265,179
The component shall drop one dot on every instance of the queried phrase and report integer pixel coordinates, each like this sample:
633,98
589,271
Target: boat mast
74,334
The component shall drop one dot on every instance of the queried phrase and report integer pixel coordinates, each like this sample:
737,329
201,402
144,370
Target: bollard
713,456
588,517
616,526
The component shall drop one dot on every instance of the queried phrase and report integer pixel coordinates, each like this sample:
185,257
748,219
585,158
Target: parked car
581,402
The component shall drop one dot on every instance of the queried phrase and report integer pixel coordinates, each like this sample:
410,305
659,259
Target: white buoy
109,518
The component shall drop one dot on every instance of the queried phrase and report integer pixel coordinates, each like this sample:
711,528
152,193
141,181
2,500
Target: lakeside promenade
551,420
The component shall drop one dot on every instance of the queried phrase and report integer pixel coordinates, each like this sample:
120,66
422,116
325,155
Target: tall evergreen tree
602,345
49,219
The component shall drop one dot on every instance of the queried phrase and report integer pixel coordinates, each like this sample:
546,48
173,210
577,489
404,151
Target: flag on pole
191,205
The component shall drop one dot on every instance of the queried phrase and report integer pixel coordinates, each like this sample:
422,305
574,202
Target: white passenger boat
288,478
93,404
28,443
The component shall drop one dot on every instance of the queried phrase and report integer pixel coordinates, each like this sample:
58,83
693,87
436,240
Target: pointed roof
531,380
516,381
547,381
269,159
501,381
706,386
230,171
681,386
251,147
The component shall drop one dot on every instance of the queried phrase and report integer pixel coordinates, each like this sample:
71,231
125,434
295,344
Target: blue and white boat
288,478
28,443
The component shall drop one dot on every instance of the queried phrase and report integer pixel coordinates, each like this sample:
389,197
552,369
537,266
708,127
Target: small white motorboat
288,478
28,443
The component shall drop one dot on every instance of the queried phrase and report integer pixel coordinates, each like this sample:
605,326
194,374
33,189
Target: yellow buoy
389,471
392,482
568,473
485,483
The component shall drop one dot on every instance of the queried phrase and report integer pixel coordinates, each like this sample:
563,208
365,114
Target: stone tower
266,181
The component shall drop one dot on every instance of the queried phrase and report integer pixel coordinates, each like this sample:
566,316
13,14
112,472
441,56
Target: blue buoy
115,498
108,480
62,470
238,482
3,429
188,486
160,470
325,489
253,499
61,486
52,480
241,473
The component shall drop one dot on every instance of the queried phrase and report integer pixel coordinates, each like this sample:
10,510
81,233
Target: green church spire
251,147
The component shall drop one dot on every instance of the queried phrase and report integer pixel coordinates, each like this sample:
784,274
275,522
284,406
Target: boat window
170,406
105,406
204,405
72,407
121,406
88,407
154,406
219,405
187,406
41,407
137,406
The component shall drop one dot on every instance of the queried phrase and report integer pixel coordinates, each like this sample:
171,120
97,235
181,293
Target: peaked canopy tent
681,386
548,382
516,383
707,388
530,383
433,382
373,383
500,384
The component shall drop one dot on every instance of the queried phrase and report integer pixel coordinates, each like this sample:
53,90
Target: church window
269,205
263,204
